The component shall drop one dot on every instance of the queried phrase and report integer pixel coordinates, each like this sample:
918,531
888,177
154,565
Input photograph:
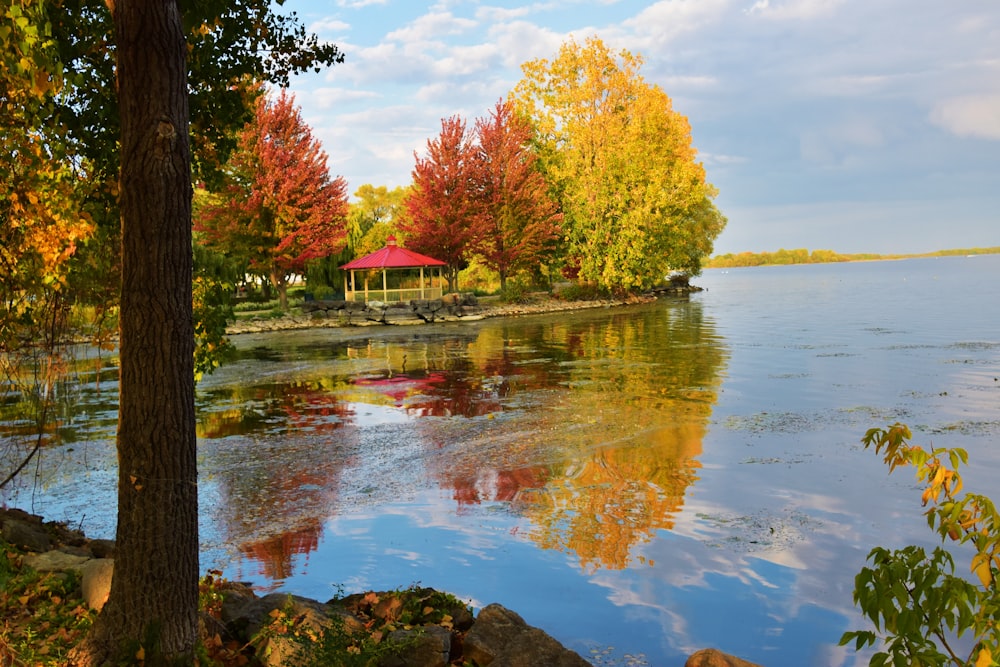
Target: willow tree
633,195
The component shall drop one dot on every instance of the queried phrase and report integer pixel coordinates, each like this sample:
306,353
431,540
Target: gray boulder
501,638
26,535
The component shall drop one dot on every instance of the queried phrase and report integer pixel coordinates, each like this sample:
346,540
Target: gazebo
405,275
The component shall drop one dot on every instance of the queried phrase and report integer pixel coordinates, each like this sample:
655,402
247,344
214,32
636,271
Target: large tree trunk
154,593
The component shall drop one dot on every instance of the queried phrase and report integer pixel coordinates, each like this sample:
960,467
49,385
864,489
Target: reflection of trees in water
301,404
275,554
276,491
590,426
600,468
600,508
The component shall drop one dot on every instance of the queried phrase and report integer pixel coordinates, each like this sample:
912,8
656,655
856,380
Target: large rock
501,638
711,657
55,561
27,535
248,616
427,646
95,584
401,314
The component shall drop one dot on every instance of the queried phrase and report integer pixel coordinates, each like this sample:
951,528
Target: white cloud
465,60
328,97
521,41
328,25
663,21
969,116
490,14
357,4
722,160
795,9
432,27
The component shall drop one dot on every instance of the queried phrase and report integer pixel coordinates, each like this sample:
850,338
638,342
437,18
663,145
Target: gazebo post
385,288
421,282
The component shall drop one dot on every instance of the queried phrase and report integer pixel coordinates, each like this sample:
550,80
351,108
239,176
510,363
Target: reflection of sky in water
702,484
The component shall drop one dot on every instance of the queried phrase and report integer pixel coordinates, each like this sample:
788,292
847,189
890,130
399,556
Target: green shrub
582,292
515,292
254,306
915,601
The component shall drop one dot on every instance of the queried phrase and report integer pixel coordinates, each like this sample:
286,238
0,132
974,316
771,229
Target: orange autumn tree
40,219
518,222
279,208
442,205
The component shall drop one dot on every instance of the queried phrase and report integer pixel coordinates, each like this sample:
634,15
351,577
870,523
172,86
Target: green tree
121,124
621,162
378,213
916,602
373,216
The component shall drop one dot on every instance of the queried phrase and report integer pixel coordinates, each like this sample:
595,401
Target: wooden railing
394,295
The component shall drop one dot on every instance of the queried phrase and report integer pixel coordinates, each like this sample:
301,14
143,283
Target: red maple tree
442,205
518,223
279,207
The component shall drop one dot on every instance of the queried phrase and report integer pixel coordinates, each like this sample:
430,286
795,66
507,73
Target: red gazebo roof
392,257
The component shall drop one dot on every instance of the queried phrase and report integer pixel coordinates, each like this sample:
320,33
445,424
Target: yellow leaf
24,599
985,658
140,655
982,570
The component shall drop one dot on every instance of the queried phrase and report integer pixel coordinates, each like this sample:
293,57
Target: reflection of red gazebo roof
392,256
397,259
400,387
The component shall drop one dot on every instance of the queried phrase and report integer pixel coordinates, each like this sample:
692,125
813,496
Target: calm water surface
639,482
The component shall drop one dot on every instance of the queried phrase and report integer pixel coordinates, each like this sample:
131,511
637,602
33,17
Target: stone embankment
497,636
449,308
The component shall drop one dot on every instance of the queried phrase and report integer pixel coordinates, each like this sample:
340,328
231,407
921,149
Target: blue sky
851,125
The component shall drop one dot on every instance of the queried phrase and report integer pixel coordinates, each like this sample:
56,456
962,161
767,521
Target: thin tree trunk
280,283
154,593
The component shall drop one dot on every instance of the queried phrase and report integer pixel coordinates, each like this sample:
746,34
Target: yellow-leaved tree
620,158
41,223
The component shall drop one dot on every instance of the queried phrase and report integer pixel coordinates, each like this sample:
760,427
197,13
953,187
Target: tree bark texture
154,593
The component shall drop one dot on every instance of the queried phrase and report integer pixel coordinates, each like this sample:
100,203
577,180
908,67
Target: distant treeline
804,256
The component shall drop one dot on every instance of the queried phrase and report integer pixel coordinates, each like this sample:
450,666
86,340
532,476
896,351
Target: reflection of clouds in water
707,596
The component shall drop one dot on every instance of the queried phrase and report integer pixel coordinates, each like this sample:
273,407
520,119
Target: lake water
640,482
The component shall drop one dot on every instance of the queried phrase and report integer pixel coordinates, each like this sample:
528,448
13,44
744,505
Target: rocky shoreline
416,627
